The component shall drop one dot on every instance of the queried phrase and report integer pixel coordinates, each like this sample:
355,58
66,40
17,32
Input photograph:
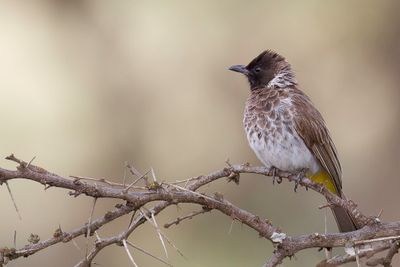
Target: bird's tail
344,220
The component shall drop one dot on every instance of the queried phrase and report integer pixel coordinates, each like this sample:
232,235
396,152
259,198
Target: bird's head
269,69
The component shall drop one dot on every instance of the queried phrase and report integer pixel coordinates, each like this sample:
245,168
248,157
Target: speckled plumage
271,130
285,130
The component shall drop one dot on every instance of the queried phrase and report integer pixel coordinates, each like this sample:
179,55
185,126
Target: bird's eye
257,70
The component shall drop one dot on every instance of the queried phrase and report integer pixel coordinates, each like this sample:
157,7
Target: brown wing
311,127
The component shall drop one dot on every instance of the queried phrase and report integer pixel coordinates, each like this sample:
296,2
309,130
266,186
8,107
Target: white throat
283,78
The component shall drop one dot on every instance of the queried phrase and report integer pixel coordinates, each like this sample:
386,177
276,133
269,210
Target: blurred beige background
88,85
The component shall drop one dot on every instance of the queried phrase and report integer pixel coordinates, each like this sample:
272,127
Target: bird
286,131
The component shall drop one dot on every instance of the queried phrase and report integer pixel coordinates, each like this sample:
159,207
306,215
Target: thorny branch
379,236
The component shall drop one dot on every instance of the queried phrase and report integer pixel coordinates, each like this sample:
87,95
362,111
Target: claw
296,182
278,180
298,178
273,175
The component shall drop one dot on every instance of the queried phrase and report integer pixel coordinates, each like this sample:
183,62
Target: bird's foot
298,178
274,178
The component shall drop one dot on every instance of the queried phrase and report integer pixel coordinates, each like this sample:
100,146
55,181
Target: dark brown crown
269,69
267,59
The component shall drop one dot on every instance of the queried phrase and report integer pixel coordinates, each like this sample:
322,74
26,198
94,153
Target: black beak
239,68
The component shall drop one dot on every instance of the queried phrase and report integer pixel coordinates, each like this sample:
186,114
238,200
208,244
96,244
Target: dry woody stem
380,236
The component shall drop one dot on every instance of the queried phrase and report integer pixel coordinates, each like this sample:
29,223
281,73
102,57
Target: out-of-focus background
88,85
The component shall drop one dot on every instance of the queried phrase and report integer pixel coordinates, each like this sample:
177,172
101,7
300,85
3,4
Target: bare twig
191,191
185,181
394,249
65,237
340,260
189,216
172,194
101,180
386,261
362,242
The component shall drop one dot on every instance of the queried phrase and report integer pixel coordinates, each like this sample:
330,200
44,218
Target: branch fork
165,194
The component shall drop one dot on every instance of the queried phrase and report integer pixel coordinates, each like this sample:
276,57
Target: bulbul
286,131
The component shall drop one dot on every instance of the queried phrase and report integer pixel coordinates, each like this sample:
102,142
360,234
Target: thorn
147,253
231,227
137,180
124,179
128,252
328,252
166,238
132,217
357,257
76,246
133,170
153,174
154,224
30,162
228,162
98,239
159,233
47,186
380,214
325,206
13,200
88,227
15,239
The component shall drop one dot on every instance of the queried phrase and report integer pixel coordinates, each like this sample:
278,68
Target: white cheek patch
283,79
